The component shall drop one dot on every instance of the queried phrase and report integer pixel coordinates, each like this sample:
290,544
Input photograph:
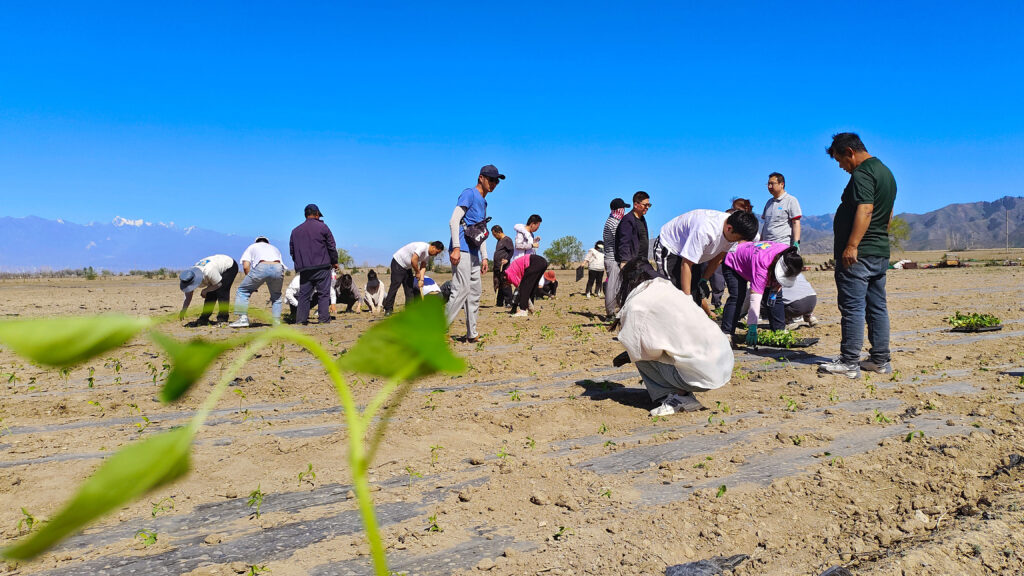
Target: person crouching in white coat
677,349
373,293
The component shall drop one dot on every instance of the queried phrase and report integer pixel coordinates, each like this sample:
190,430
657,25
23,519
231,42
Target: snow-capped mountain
35,244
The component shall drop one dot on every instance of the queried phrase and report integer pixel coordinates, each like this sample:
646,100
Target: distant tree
345,260
899,232
564,251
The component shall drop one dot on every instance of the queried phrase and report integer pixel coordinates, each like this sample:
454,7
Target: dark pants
776,314
220,297
503,288
320,281
717,287
737,287
531,277
861,297
548,290
594,280
399,277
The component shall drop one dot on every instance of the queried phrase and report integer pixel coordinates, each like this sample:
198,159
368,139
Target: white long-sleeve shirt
523,242
594,260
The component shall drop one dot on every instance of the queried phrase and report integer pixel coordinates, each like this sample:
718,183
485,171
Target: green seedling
910,435
972,321
656,419
90,380
721,491
609,443
896,376
881,418
479,345
12,378
546,332
412,474
1020,383
308,476
870,388
514,395
722,406
26,523
256,501
502,453
837,462
147,538
256,570
833,397
777,338
929,405
97,405
432,525
435,454
791,405
602,429
530,443
398,350
142,425
606,493
164,505
797,440
562,533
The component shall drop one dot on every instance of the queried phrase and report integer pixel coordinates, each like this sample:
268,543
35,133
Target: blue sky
233,116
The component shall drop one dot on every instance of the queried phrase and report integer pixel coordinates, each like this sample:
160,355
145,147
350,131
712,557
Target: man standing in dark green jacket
861,228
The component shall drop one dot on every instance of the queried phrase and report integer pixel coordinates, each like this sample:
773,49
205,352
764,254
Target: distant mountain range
953,227
33,244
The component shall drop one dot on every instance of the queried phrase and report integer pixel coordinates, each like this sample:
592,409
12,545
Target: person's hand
483,267
421,282
752,335
796,244
203,292
455,256
333,309
704,286
849,256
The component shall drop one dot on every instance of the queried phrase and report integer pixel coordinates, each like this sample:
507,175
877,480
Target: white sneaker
521,314
676,403
242,322
793,326
837,366
588,295
811,320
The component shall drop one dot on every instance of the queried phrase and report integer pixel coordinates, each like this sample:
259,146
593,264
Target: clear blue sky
233,116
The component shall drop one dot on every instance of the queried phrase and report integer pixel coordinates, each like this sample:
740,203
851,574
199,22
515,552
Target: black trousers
503,288
221,297
737,287
318,280
531,277
776,314
399,277
594,280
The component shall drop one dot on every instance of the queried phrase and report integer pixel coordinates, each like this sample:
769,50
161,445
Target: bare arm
685,275
861,220
245,267
796,229
713,265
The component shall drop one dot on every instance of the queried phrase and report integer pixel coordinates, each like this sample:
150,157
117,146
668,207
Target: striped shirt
610,226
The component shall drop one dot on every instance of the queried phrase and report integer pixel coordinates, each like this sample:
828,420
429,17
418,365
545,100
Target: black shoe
621,360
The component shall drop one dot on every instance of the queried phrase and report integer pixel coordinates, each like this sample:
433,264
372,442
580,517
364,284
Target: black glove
621,360
704,288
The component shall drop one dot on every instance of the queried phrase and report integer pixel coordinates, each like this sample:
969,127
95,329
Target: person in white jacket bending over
677,349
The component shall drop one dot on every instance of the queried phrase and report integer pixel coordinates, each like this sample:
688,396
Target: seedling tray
801,343
977,329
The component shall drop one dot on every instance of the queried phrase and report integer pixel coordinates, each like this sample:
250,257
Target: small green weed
147,538
308,476
256,501
432,525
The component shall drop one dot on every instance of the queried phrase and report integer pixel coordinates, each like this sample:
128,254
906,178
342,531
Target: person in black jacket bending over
314,254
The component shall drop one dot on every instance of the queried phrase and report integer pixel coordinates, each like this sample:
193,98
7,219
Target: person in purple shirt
769,267
314,254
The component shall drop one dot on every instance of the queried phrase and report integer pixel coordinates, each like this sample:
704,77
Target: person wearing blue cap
468,226
213,277
314,254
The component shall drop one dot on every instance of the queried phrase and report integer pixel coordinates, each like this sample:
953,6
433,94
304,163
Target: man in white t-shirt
408,266
262,264
780,219
699,237
213,277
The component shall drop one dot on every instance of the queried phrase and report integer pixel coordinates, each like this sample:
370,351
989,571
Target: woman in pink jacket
525,273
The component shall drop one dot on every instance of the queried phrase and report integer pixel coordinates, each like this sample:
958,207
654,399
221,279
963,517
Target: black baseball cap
312,209
491,172
619,203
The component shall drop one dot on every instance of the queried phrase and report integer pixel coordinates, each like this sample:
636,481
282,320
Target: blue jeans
269,273
861,296
737,295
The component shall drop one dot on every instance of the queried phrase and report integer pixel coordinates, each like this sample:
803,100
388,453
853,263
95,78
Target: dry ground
542,458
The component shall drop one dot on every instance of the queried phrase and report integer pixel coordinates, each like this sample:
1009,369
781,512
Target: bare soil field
542,458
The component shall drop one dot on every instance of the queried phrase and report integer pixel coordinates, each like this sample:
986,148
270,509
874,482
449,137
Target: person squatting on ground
780,219
213,277
547,287
695,238
594,262
470,213
291,296
861,246
373,293
677,349
611,225
526,274
799,300
526,242
314,253
261,263
408,266
347,293
769,267
502,256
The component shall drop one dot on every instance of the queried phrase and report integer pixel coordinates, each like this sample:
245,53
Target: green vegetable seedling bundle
777,338
972,321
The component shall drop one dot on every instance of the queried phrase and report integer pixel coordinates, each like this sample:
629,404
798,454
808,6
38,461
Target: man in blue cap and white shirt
213,277
470,209
314,254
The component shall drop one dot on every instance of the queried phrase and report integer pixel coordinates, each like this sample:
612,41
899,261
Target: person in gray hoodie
314,254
